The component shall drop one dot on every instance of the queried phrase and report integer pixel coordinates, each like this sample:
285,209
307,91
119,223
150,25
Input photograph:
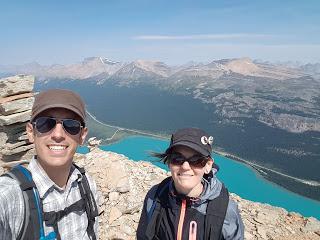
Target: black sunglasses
46,124
194,161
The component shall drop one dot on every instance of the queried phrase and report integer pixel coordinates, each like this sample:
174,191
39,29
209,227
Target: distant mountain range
283,95
94,66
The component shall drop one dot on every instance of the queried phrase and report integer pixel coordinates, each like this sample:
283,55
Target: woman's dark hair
162,157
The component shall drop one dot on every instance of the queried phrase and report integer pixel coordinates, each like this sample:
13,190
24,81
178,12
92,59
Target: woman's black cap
193,138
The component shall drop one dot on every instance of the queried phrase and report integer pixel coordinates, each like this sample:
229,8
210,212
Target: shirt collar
43,182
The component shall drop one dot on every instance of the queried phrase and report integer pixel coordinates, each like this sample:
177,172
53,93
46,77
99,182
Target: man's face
56,148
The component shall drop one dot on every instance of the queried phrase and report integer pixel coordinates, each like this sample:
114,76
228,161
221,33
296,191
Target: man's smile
57,147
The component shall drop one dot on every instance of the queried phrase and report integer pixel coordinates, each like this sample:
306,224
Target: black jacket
195,212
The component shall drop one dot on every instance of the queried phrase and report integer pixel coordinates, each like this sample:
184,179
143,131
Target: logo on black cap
206,140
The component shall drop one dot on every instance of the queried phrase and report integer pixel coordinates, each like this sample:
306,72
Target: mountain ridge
95,65
279,96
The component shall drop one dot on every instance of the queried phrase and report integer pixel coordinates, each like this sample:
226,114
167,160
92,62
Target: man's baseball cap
58,98
193,138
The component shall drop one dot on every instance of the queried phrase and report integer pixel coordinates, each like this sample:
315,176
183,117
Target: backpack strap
32,226
89,201
216,212
154,215
52,218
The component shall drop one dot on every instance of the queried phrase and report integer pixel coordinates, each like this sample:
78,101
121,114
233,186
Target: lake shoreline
260,170
238,177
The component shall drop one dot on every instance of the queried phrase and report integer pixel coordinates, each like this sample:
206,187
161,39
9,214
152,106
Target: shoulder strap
52,218
216,212
154,215
89,202
32,227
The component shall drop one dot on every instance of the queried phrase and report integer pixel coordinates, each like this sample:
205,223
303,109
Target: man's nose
58,132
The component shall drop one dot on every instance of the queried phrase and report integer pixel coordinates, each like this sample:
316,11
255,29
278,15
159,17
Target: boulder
16,85
115,213
16,106
13,151
15,118
25,155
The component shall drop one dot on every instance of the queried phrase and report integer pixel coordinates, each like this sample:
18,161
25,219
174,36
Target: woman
192,203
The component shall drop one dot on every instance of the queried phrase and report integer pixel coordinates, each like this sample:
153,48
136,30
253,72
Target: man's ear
83,135
30,132
208,166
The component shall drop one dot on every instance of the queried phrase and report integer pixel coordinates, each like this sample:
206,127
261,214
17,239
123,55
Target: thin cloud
201,36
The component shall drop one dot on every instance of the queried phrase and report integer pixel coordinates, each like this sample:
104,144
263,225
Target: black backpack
34,217
215,214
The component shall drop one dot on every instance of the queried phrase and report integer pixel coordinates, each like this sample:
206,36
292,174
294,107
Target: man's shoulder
9,188
92,182
88,176
78,169
8,181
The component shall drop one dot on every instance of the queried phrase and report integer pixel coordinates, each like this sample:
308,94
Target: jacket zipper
181,219
193,230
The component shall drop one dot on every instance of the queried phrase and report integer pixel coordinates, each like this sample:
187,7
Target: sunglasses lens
176,159
44,124
198,161
194,161
72,126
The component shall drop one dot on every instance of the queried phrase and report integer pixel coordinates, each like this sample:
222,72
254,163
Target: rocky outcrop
16,99
93,143
16,85
123,184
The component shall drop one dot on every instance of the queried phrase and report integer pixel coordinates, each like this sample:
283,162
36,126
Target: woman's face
187,179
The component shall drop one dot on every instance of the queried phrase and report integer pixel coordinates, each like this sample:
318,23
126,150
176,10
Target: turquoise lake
238,177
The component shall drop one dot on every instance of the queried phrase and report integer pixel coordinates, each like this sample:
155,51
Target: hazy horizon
298,63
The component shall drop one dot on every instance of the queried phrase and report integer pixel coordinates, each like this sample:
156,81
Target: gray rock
115,213
16,150
312,225
13,130
113,196
11,146
13,133
123,185
16,85
27,155
15,118
16,106
3,138
127,229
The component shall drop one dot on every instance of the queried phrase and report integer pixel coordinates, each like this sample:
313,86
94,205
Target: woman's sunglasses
194,161
46,124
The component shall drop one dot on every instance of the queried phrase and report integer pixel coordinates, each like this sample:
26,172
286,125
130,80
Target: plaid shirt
54,198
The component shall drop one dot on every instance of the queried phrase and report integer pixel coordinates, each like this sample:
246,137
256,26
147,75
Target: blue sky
175,32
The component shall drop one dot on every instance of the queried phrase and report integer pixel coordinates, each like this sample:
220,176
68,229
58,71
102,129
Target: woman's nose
185,165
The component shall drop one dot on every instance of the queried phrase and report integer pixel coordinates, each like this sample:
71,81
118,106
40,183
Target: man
61,198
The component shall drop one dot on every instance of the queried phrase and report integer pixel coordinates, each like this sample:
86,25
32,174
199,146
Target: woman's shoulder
157,189
232,207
